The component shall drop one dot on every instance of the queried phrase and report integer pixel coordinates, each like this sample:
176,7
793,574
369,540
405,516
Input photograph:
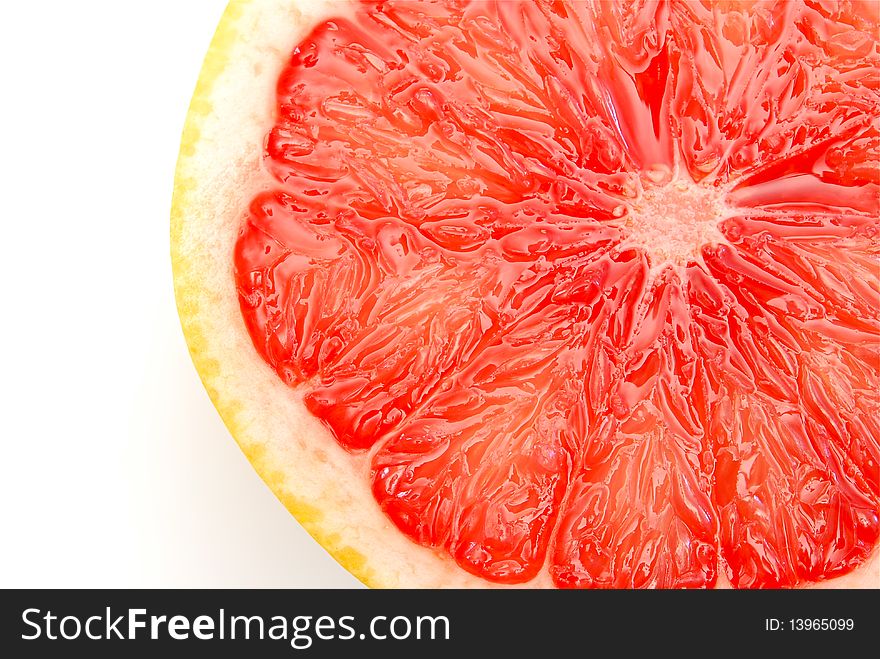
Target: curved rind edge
186,295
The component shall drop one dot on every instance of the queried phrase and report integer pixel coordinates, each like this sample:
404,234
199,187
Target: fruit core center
672,219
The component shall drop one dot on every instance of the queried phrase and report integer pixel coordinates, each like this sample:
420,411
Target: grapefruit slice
546,293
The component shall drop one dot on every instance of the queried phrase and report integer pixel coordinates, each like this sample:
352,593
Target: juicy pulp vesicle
595,285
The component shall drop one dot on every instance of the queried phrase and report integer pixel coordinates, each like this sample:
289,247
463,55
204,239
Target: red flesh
440,264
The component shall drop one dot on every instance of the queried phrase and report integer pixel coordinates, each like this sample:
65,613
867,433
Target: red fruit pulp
595,284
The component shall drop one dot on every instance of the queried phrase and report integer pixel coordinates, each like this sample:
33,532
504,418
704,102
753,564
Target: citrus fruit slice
574,294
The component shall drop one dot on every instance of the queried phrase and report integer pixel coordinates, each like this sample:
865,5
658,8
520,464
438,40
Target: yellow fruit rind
188,295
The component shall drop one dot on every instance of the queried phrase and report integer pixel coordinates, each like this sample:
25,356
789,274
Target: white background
116,470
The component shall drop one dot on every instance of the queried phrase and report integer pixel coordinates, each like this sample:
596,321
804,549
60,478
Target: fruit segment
638,513
796,438
481,470
594,285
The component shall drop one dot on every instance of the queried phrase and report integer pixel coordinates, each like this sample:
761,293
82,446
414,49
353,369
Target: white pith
672,217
